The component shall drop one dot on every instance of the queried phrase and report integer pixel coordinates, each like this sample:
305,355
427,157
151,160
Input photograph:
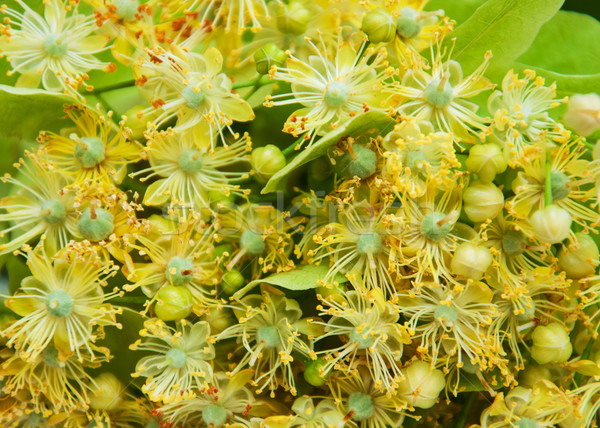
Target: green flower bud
360,162
214,415
312,372
551,224
95,224
421,384
408,24
219,319
533,374
126,9
582,260
267,160
106,395
232,282
360,406
268,56
379,26
551,344
482,201
486,160
137,120
173,303
252,243
293,18
471,261
90,151
583,113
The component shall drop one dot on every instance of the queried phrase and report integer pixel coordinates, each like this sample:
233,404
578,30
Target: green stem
548,183
462,416
128,299
257,81
120,85
292,147
589,145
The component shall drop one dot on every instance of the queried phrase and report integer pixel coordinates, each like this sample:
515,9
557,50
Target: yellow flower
94,152
62,304
40,208
57,49
333,87
178,365
190,87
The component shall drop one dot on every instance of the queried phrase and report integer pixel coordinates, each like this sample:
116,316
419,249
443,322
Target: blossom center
214,415
268,335
528,309
559,185
50,356
126,9
252,243
360,406
59,303
56,45
435,226
191,161
90,151
527,423
446,314
175,358
53,211
362,339
369,243
193,96
95,225
513,243
408,24
415,159
179,270
336,93
438,93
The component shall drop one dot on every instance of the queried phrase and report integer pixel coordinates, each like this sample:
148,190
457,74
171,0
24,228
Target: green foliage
361,124
458,11
505,27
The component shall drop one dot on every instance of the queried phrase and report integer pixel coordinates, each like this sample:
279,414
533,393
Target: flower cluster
292,214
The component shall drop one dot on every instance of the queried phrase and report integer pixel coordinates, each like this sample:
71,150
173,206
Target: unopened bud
267,160
106,395
471,261
293,18
268,56
421,384
173,303
482,201
583,114
551,224
580,261
312,373
551,344
486,160
379,26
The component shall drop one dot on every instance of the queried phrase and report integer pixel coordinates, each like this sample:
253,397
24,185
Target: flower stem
292,147
462,416
548,182
120,85
128,299
257,81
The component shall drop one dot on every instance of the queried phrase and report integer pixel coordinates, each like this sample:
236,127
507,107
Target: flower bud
551,344
486,160
173,303
421,385
293,18
126,9
533,373
408,24
551,224
360,162
471,261
482,201
582,260
219,319
232,282
137,120
266,161
379,26
268,56
583,114
106,395
312,373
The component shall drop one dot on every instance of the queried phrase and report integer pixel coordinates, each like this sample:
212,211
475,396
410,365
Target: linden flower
586,410
360,244
541,295
431,232
372,336
544,405
268,332
520,114
307,415
332,88
40,208
225,402
56,49
94,151
416,156
61,304
364,404
189,86
569,175
441,95
180,255
262,233
453,322
179,362
193,175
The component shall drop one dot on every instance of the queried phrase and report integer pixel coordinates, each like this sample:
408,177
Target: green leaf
470,382
506,27
24,112
304,277
459,11
567,84
371,122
